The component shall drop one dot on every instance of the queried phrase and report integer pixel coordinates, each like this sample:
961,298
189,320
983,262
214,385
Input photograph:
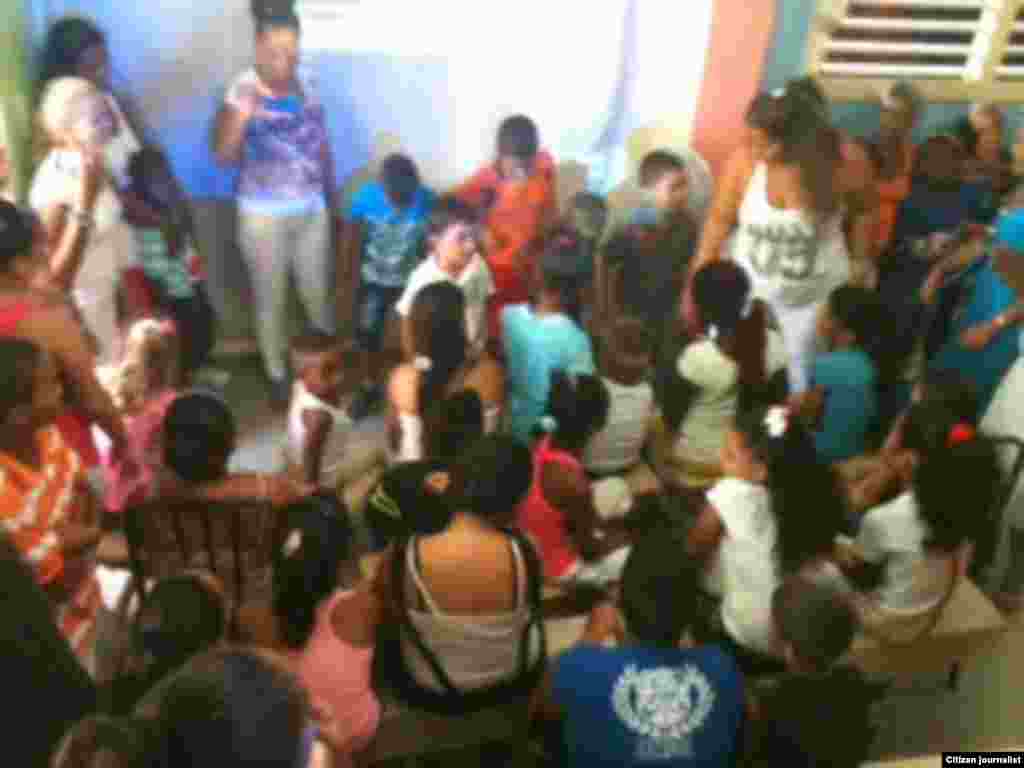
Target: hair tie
778,93
549,423
776,421
712,332
748,306
422,363
961,433
292,543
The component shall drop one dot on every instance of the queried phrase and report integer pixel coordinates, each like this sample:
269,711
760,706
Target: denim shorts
375,303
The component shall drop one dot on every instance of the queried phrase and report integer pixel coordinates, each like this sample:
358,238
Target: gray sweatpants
273,247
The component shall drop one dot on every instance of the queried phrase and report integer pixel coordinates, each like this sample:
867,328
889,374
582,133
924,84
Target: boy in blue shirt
842,405
392,213
655,697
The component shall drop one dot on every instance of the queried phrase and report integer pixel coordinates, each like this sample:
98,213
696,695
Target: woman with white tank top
777,215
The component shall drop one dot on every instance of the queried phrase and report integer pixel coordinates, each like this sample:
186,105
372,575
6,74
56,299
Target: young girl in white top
729,353
318,426
776,512
920,541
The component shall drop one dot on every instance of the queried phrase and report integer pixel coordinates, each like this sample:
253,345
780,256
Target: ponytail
807,502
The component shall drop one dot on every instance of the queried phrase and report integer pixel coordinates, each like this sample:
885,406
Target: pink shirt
545,523
144,432
338,678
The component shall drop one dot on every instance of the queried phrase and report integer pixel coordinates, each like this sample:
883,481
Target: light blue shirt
535,347
851,403
395,237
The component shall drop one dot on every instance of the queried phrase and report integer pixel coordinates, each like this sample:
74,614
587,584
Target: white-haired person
78,124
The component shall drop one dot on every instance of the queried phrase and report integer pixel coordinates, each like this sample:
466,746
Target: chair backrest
236,540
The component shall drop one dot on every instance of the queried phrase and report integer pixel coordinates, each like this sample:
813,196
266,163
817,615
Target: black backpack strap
398,583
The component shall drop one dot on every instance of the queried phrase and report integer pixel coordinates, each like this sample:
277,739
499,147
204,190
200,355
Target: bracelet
1001,321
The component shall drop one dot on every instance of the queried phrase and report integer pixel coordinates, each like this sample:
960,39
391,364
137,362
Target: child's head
560,276
518,143
950,390
589,215
577,409
181,617
31,392
850,318
453,236
721,292
316,543
902,105
150,363
151,178
770,447
400,179
664,174
956,485
630,348
199,436
658,591
491,478
459,422
228,707
320,360
815,624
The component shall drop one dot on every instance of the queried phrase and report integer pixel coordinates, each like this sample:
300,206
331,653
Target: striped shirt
33,504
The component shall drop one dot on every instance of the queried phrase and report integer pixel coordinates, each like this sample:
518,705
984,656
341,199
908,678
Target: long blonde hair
150,364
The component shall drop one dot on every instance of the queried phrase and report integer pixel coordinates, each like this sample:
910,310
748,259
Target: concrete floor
987,711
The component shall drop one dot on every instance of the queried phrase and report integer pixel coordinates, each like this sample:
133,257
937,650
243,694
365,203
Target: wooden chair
168,535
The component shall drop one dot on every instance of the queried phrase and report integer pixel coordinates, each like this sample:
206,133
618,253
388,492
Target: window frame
986,57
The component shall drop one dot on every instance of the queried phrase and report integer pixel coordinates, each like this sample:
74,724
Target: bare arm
725,208
408,347
571,493
229,134
68,233
706,534
859,187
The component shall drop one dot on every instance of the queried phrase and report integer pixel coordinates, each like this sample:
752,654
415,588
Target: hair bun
271,9
961,433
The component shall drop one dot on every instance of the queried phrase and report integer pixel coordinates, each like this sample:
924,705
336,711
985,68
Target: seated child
841,407
648,262
870,479
409,498
327,620
517,196
559,513
585,223
539,338
774,513
318,427
143,385
174,268
393,212
453,255
920,540
46,505
181,617
624,367
655,696
730,354
816,627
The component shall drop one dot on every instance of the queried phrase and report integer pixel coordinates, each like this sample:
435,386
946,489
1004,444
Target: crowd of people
807,370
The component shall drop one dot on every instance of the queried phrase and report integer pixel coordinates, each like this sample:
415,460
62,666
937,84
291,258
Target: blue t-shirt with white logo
637,706
395,237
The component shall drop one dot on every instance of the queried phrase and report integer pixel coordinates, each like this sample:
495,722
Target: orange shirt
33,503
891,194
520,211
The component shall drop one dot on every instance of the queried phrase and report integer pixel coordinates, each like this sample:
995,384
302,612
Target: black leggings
196,323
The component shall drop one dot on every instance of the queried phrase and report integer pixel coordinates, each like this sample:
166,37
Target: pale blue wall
787,59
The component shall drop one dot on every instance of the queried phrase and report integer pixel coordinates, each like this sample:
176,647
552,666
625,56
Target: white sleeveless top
334,454
475,651
791,260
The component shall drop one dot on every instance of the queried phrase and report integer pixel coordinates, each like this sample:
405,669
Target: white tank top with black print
791,259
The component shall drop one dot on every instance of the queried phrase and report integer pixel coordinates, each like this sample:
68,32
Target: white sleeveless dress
794,263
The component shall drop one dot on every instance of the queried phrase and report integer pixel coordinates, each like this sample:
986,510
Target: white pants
98,309
272,247
798,326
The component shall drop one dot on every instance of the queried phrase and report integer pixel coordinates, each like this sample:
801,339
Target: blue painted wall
788,59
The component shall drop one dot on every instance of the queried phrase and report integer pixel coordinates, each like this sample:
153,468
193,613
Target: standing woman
273,127
777,214
901,109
